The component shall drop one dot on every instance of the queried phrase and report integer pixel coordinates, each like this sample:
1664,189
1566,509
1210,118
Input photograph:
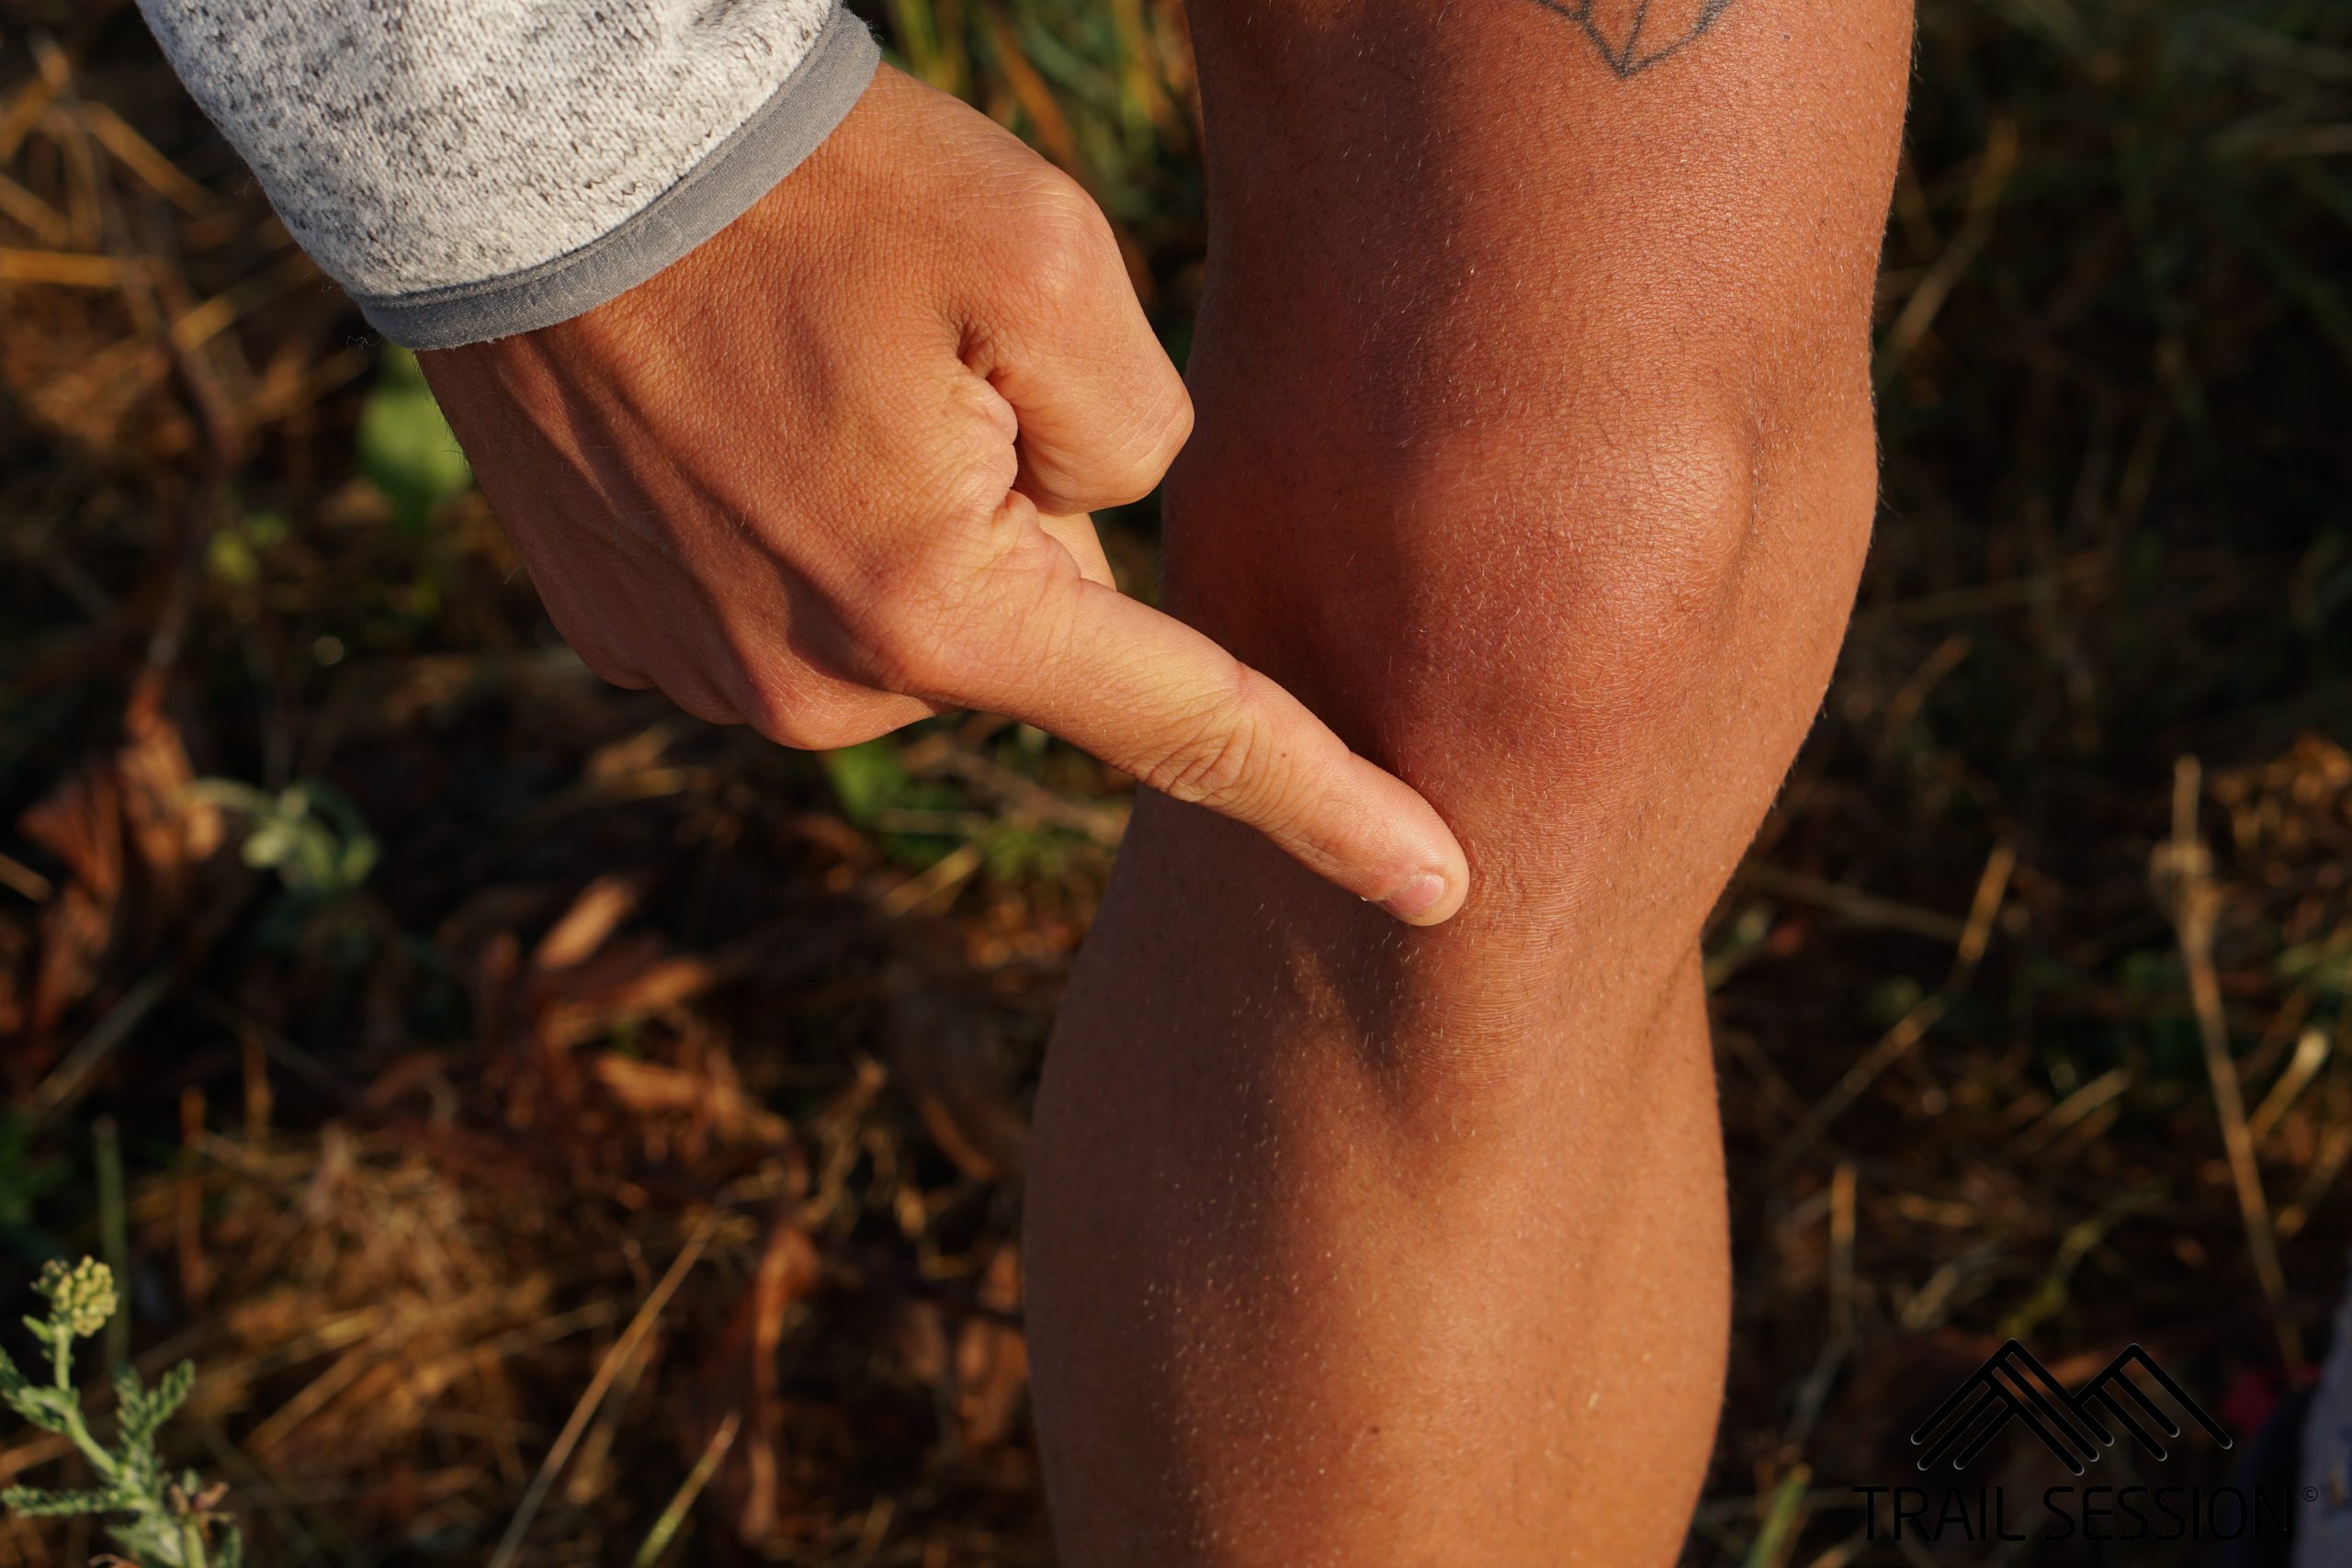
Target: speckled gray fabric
469,168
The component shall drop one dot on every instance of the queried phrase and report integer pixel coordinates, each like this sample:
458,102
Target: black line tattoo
1634,52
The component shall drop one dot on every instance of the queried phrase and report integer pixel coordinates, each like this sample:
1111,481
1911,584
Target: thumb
1153,697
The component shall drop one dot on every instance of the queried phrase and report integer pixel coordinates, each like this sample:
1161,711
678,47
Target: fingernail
1417,897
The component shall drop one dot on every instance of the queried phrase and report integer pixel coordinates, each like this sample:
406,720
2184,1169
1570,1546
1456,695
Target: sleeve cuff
801,113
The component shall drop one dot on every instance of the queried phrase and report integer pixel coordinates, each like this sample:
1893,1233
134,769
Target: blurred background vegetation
564,1133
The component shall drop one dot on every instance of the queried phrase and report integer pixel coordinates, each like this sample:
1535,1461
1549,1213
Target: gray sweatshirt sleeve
471,168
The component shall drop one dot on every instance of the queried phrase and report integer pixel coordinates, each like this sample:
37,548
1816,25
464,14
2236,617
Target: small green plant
310,833
406,448
160,1521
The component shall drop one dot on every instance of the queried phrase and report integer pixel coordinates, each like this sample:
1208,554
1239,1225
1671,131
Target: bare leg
1535,454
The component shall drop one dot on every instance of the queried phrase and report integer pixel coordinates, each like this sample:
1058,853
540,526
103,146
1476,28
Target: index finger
1156,698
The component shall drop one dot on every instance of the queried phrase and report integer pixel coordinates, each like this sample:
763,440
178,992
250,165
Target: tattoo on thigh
1633,35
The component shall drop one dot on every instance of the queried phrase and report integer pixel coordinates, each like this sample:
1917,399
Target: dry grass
640,1133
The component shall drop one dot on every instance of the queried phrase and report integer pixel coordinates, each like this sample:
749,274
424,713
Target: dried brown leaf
740,1376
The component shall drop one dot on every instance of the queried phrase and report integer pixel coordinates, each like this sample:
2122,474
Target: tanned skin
1533,473
1535,455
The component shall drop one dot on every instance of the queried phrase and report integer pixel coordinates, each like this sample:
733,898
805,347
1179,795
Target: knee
1592,633
1663,614
1594,598
1606,697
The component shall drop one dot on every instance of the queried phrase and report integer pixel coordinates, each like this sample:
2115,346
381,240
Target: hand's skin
831,473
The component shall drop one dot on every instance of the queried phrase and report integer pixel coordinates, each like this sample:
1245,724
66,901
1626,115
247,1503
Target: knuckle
979,475
1158,436
942,484
914,615
1070,247
805,712
1216,765
1175,423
